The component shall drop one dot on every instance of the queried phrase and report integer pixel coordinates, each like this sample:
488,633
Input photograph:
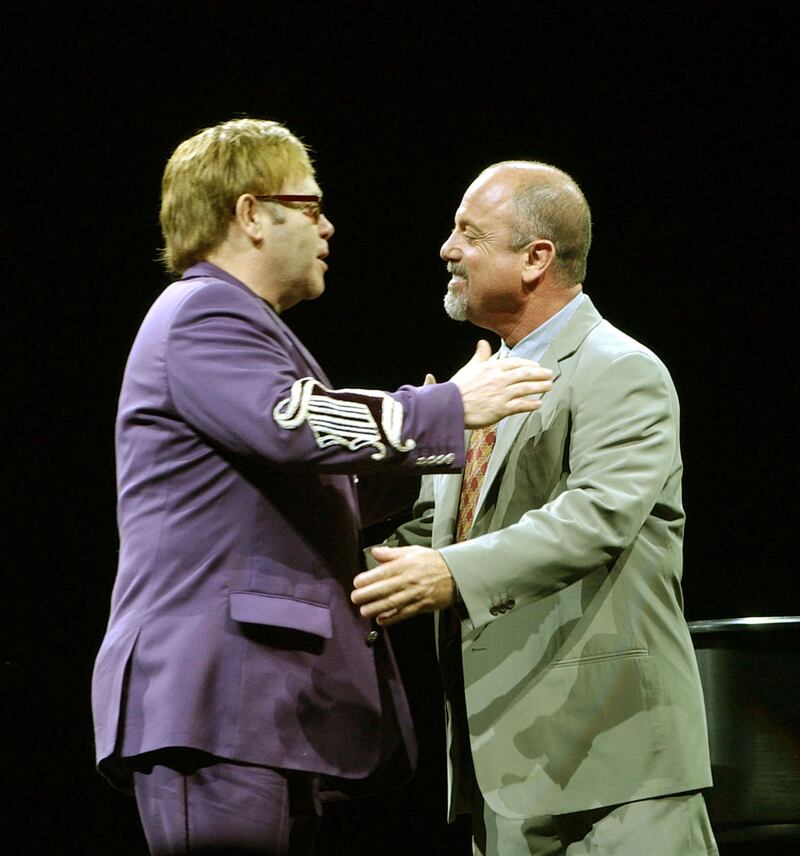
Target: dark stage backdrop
676,119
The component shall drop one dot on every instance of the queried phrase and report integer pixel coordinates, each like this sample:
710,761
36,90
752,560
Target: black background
676,118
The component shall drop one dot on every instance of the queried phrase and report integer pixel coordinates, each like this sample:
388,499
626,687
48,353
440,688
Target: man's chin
315,289
455,305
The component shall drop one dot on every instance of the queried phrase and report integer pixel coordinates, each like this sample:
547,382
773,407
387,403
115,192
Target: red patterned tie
479,451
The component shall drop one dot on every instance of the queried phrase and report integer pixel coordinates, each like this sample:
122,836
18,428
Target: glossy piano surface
750,670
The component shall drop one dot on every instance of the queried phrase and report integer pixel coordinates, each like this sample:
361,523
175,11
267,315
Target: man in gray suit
575,714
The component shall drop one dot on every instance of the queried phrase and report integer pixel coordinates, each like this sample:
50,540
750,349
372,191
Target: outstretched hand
408,581
492,389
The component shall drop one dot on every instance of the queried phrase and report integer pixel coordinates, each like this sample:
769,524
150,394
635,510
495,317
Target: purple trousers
191,804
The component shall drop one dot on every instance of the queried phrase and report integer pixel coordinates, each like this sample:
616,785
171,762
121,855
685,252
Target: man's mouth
458,273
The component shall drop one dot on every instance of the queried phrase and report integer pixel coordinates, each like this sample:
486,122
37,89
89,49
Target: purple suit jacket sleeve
232,379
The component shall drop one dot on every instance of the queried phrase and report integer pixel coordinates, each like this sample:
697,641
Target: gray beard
456,302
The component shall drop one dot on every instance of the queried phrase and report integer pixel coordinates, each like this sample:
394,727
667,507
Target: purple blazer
231,628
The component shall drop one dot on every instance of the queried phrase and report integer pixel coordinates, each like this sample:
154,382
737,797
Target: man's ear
539,256
246,217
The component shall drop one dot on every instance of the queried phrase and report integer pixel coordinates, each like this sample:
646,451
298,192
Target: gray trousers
674,825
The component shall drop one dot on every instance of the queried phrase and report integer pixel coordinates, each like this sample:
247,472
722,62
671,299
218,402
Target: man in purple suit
237,685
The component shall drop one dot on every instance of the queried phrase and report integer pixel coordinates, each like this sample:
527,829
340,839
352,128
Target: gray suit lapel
567,341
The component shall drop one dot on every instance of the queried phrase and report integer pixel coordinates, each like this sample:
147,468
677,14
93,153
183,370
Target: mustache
457,269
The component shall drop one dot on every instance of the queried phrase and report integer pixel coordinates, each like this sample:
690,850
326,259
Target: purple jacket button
371,637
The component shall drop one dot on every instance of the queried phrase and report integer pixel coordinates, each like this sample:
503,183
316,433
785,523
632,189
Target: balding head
547,203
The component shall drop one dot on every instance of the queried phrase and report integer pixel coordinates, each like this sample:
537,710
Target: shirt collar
533,346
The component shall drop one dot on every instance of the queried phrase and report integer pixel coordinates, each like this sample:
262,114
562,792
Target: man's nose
325,227
449,252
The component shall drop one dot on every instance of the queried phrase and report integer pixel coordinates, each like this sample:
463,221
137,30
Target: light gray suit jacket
581,682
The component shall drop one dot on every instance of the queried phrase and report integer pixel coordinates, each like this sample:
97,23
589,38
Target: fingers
386,619
523,405
520,398
378,582
524,370
380,597
388,607
523,388
382,554
410,580
483,350
394,607
526,381
367,579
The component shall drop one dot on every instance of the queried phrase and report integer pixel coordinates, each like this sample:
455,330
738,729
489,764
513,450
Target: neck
539,309
245,269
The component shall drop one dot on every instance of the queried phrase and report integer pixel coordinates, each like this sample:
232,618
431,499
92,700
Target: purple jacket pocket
281,611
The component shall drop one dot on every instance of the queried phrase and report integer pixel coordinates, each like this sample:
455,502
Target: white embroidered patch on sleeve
336,419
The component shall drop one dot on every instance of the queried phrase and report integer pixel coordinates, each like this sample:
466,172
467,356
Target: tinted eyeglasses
309,204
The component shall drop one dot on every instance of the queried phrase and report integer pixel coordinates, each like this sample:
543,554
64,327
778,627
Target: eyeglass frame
312,209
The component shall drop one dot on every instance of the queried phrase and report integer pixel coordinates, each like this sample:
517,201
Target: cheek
302,250
480,273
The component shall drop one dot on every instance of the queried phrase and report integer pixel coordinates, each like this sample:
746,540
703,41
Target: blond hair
207,173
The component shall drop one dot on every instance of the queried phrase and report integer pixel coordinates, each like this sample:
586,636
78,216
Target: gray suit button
512,603
494,610
371,638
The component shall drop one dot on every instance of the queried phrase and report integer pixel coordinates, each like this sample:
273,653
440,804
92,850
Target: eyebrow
466,222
